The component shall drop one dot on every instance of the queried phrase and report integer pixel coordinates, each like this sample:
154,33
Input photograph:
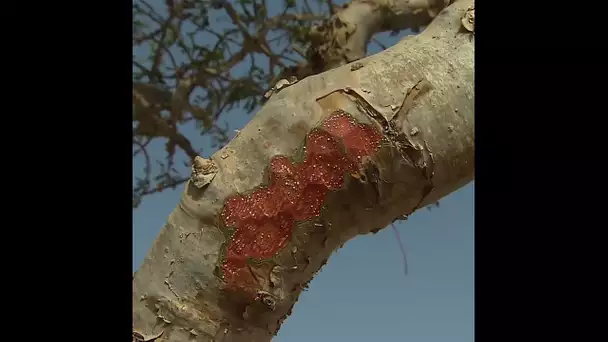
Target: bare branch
148,111
162,187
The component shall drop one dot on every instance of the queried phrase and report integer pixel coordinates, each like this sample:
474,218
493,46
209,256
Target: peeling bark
418,95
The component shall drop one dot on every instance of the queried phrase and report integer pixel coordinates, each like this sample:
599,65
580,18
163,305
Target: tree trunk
335,155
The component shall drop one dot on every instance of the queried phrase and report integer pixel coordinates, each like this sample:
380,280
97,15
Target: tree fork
416,97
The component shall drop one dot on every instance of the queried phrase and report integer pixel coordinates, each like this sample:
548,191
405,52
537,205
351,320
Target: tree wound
264,219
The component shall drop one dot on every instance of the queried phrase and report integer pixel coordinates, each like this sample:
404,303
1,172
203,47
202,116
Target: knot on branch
468,20
203,171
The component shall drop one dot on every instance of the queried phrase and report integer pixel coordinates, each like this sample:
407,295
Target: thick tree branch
418,96
339,40
345,36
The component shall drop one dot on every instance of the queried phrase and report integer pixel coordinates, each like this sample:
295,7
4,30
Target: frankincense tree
343,145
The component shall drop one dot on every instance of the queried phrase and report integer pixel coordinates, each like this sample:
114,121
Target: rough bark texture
418,96
345,36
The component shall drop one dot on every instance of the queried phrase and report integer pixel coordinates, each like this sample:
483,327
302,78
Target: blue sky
362,294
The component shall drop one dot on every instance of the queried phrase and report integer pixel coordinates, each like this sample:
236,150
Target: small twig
156,189
379,43
236,20
307,6
400,247
330,4
298,50
142,148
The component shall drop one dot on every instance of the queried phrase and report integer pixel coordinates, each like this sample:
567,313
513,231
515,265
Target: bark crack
410,143
414,146
170,286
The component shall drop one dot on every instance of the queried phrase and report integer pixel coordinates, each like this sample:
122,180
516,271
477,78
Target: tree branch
345,36
418,97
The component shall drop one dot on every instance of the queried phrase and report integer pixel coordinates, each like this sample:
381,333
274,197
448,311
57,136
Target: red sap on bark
264,219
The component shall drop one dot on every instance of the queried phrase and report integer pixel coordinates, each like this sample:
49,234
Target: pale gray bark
176,291
345,36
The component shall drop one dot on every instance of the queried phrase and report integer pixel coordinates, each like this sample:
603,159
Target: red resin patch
264,219
330,175
310,202
361,142
339,125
